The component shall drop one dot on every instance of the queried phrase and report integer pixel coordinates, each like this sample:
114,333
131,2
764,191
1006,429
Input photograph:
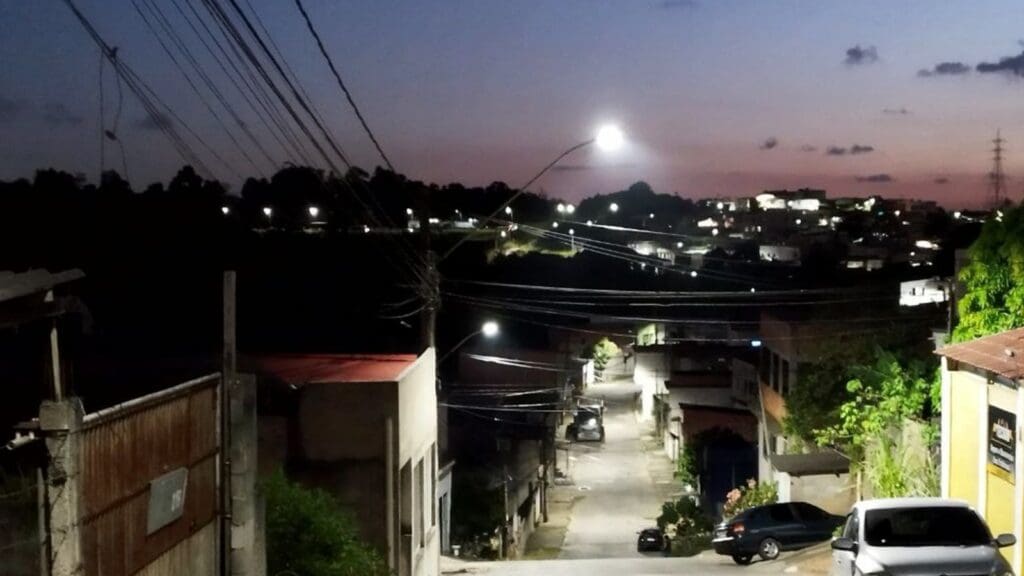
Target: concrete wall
835,493
359,435
417,446
649,373
966,441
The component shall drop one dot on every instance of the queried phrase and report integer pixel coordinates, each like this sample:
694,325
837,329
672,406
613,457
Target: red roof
1002,353
299,369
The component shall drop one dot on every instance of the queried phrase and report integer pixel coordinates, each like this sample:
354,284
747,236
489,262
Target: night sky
716,97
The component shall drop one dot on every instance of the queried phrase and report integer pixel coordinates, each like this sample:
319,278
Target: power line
341,84
146,96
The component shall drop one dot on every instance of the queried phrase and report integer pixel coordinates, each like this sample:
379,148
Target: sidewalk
546,541
661,469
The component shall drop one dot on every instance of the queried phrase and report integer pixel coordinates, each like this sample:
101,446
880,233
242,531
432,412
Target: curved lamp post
608,138
489,329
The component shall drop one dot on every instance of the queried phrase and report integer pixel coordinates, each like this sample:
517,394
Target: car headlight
592,422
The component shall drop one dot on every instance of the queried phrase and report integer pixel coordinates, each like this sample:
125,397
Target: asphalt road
711,565
619,495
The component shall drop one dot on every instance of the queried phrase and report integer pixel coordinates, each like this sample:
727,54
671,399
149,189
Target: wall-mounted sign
1002,443
166,499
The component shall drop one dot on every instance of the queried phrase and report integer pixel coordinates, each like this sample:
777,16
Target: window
418,503
433,484
927,526
809,512
781,513
852,527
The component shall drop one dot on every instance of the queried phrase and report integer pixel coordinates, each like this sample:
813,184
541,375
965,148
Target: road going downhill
618,494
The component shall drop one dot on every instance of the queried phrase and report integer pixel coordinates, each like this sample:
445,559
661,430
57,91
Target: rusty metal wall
122,450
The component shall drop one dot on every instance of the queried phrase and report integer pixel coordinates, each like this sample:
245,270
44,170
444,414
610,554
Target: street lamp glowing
560,208
569,208
693,273
225,210
313,211
489,329
268,211
609,138
508,210
614,207
408,211
554,224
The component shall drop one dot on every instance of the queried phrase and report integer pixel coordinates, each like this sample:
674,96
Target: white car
916,536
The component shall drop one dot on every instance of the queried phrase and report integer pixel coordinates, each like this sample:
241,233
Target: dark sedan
650,540
767,530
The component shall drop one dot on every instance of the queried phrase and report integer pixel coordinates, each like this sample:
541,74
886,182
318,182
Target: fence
148,484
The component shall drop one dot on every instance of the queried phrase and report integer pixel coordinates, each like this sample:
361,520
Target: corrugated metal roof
18,284
1001,354
300,369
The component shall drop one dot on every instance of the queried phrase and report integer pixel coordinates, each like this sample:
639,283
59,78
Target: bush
689,545
311,534
683,518
749,496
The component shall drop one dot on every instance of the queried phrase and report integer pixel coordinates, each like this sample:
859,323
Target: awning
810,464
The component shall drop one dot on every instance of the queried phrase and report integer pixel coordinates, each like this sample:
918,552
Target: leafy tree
993,300
310,533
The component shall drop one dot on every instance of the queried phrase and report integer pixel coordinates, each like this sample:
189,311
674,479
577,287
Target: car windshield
928,526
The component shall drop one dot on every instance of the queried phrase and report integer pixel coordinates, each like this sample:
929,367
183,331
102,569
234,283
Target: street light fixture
609,138
489,329
569,208
268,211
225,210
613,208
313,211
560,208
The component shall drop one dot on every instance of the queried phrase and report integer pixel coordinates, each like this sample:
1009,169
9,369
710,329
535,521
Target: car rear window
925,526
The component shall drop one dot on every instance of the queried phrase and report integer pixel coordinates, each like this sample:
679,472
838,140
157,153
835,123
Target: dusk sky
716,97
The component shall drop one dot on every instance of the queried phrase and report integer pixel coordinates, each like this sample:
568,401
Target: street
704,564
618,493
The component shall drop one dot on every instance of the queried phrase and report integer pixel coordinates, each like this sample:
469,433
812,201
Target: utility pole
430,290
228,369
996,178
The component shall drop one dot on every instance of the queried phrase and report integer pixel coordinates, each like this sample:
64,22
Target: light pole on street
489,329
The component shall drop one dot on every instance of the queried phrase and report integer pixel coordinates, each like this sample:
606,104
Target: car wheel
769,549
742,559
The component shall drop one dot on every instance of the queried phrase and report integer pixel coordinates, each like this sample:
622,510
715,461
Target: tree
310,533
993,299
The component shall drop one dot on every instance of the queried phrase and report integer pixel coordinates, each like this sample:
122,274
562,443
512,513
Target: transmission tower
996,178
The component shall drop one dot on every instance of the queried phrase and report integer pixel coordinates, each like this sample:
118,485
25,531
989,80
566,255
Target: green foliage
881,396
749,496
310,533
603,351
814,402
683,518
477,511
993,299
686,466
686,546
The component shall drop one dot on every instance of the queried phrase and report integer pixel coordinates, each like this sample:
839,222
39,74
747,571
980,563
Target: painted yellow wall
965,444
1000,505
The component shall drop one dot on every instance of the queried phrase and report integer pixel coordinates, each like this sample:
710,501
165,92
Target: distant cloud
148,122
861,149
57,114
941,180
1011,65
876,179
861,55
770,143
835,151
808,148
677,4
945,69
896,111
10,108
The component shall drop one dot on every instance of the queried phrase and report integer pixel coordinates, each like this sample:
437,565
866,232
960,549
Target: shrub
749,496
310,533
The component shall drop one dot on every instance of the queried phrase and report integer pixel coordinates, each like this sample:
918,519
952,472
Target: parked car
767,530
918,536
651,540
587,424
